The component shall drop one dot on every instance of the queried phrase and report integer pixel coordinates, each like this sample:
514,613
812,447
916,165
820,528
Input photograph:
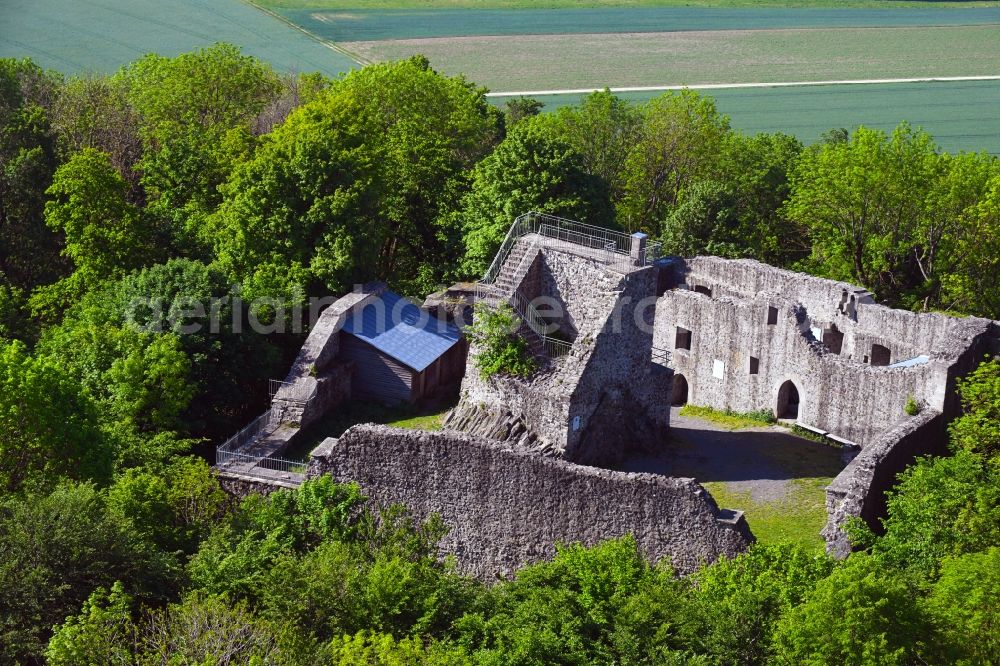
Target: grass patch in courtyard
729,419
353,413
797,517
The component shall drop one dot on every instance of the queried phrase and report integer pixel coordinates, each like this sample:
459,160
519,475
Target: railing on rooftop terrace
616,245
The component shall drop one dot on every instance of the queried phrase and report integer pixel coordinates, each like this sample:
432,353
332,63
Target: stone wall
315,371
741,354
239,487
852,400
605,396
506,508
860,489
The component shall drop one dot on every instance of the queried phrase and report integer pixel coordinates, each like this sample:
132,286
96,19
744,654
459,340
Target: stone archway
788,401
679,395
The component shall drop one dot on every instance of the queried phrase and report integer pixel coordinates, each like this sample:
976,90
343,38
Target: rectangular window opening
683,339
754,365
772,316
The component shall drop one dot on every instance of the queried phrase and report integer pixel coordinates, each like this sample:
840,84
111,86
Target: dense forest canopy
133,205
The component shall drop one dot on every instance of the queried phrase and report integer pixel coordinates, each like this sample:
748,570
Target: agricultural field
962,116
76,36
543,62
359,25
584,4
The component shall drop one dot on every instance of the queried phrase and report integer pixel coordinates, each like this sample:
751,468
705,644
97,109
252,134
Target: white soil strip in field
720,86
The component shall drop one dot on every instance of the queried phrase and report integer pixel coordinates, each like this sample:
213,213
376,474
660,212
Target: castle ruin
621,334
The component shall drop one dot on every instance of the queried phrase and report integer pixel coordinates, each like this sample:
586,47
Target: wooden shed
399,352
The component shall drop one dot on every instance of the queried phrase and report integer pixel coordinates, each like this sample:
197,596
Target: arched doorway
679,396
788,401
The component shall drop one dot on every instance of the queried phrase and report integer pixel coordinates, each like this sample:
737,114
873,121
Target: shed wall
376,376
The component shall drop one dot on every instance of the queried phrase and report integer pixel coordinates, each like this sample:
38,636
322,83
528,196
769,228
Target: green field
543,62
356,25
960,116
75,36
585,4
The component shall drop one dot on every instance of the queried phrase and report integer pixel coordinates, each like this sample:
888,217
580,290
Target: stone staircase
515,268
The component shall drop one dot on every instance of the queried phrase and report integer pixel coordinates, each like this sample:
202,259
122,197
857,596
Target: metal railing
616,245
660,356
553,347
266,423
245,463
604,248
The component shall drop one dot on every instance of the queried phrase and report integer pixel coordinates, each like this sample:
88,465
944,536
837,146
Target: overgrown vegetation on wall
209,179
499,349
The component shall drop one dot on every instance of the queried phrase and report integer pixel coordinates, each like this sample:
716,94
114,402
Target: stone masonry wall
852,400
604,396
860,488
506,508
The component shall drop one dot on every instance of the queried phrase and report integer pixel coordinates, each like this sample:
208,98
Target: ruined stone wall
506,508
860,489
605,396
622,398
745,278
907,334
240,487
849,399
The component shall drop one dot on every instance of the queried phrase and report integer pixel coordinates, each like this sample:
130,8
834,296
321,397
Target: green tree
94,112
603,129
706,221
862,613
48,426
965,606
887,212
238,555
940,507
103,632
196,112
173,507
230,361
372,649
356,185
55,550
28,253
589,605
529,171
978,429
498,349
517,109
736,603
972,286
105,235
681,136
141,380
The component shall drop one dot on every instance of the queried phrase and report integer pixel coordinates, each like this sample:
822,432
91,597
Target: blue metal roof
397,327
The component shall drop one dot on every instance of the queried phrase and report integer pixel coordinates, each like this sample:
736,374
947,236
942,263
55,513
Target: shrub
500,349
912,407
